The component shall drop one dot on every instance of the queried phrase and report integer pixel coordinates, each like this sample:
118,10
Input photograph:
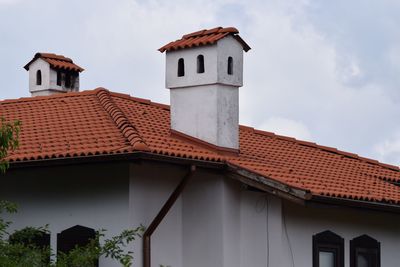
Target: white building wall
150,187
253,231
203,222
191,77
231,222
216,222
206,105
49,80
215,65
304,222
229,47
209,113
44,67
92,196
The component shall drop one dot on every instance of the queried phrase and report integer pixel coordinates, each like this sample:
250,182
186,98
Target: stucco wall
49,80
304,222
215,65
213,222
216,221
216,122
44,68
94,196
150,186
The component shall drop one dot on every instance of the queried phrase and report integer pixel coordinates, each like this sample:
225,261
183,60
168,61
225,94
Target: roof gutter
257,181
352,203
161,214
114,158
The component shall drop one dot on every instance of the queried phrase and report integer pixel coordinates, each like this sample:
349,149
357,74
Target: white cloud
287,127
389,150
314,67
8,2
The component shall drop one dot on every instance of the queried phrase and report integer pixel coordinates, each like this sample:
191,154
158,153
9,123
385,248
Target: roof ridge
204,37
124,125
321,147
60,95
141,100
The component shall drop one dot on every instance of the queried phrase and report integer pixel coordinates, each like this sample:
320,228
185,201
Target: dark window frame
75,236
328,241
38,77
29,236
200,64
364,244
181,67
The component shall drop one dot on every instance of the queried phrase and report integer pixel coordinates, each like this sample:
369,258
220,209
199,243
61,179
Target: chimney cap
204,37
56,62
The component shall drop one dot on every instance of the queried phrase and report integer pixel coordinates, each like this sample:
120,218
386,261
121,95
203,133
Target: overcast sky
325,71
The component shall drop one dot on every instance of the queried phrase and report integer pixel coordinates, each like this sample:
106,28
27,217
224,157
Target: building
236,196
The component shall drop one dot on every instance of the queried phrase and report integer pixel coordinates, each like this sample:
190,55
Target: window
200,64
328,250
181,67
75,236
365,252
230,65
38,77
59,78
29,236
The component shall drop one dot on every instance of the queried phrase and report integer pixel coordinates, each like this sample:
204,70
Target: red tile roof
204,37
56,62
101,122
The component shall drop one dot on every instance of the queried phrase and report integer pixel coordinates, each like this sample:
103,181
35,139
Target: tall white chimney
204,71
51,73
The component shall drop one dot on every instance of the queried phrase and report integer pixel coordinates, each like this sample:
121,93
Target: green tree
18,249
9,133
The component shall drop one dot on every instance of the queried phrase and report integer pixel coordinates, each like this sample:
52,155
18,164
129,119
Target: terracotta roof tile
204,37
100,122
56,62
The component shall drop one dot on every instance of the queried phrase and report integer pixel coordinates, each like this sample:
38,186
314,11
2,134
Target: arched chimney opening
181,67
38,77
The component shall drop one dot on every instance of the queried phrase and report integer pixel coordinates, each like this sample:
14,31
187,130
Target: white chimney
204,71
51,73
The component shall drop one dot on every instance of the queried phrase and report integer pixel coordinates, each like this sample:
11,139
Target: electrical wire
266,226
286,233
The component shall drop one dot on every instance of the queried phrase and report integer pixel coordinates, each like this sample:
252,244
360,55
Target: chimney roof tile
204,37
56,62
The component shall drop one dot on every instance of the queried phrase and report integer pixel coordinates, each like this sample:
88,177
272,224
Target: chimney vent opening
68,80
230,65
200,64
59,78
181,67
38,77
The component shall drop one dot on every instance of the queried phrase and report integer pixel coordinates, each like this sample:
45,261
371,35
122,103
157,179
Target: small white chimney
51,73
204,71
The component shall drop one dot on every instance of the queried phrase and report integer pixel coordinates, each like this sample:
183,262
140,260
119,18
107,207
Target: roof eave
167,47
268,185
271,186
352,203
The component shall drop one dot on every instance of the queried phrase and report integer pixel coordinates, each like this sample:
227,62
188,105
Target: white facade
215,222
205,105
208,112
48,84
94,196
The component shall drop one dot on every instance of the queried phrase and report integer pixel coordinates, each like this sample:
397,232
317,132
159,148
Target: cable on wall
286,234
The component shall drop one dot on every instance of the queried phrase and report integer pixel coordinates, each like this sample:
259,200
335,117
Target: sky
322,71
